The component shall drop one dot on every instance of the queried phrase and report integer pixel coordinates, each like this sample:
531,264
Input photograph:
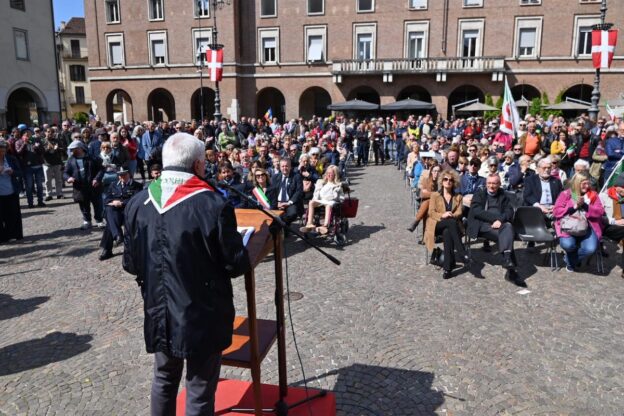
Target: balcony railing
422,65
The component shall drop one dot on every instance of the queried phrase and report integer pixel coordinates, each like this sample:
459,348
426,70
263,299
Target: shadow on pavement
381,391
11,308
34,212
52,348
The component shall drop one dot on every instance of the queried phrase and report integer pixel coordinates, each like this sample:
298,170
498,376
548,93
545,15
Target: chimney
62,25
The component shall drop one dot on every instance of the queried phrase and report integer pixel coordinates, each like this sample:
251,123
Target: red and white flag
603,47
509,112
214,60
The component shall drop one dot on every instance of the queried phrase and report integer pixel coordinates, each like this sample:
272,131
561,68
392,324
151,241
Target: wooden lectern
253,338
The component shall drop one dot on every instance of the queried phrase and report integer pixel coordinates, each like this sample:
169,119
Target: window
80,97
202,39
157,47
417,4
315,43
416,34
470,41
364,41
156,9
528,37
20,38
530,2
473,3
115,50
202,8
112,11
316,6
589,1
269,45
18,4
365,6
268,8
77,73
582,42
75,48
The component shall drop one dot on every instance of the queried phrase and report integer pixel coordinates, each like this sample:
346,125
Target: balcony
70,56
424,65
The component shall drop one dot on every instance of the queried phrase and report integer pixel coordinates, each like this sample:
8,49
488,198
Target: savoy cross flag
603,47
509,113
214,59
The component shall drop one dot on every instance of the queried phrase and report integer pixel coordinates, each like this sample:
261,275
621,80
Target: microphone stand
281,407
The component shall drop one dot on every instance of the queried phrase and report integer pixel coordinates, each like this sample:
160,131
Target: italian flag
261,197
174,187
509,114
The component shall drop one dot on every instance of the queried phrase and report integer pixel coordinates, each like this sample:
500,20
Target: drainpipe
56,66
445,25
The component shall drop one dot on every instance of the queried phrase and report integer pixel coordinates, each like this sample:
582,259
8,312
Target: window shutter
116,53
315,48
527,38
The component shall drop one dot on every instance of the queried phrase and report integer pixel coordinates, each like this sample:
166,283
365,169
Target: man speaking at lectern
183,246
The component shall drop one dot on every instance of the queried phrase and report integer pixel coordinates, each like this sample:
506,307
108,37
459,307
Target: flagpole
595,97
615,169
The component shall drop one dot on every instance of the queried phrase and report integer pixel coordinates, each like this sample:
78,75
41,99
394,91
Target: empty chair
530,226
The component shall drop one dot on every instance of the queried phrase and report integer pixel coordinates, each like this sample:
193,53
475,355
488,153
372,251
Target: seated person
327,192
491,213
260,190
613,226
579,197
226,174
542,190
428,185
444,218
118,194
518,173
289,191
471,181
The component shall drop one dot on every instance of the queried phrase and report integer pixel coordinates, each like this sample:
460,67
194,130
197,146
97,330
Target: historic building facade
28,78
298,56
73,63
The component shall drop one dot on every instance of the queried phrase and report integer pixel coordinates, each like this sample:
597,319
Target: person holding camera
53,165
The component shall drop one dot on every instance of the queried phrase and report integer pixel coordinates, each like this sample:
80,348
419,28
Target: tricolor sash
261,197
174,187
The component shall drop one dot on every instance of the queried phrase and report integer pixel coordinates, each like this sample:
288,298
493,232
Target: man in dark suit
182,244
119,193
289,191
542,190
491,214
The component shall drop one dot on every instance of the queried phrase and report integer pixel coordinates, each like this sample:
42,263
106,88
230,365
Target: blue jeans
132,167
33,176
578,248
390,148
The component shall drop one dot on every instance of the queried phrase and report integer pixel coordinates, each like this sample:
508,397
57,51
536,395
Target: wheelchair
339,221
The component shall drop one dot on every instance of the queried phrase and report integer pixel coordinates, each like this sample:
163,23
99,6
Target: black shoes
466,259
41,205
60,197
508,262
48,198
513,277
446,274
486,246
106,254
413,227
118,240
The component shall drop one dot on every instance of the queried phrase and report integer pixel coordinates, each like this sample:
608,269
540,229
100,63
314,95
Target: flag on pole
603,47
268,116
214,60
617,170
509,114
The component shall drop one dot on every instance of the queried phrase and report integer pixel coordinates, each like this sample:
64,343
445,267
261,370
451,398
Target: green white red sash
174,187
261,197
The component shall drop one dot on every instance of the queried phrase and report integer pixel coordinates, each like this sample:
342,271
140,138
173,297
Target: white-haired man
182,244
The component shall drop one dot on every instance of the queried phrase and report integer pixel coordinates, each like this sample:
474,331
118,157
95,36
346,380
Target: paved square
383,331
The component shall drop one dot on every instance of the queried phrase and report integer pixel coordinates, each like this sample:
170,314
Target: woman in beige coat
444,218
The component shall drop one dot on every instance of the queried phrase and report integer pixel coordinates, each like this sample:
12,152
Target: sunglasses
259,175
447,179
517,150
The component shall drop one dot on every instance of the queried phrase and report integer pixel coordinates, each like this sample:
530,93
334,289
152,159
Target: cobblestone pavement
383,331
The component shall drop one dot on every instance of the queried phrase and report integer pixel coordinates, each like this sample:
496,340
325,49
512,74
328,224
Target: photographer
53,165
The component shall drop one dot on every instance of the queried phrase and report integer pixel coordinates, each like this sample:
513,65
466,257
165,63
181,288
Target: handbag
575,224
437,257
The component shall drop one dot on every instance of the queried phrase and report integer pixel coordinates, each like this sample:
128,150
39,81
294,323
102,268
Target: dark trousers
10,218
378,152
141,168
291,214
114,221
34,178
202,376
614,232
91,198
449,230
362,153
504,235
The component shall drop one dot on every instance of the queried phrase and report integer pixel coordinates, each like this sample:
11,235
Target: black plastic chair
530,226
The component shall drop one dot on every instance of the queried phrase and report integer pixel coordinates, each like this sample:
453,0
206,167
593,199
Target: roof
75,26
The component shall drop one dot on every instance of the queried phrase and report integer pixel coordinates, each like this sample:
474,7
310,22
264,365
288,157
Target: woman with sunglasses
444,219
261,191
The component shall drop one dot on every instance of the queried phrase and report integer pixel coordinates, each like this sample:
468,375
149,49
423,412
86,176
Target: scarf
261,197
174,187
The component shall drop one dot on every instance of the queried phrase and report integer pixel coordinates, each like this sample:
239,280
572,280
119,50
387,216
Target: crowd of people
463,171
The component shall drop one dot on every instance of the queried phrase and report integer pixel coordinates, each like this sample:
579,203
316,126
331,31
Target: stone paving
383,331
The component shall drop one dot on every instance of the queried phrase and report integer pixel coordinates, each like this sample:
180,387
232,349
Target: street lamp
217,4
595,96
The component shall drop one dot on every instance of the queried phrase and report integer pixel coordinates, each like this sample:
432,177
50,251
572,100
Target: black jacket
183,260
116,192
294,189
533,190
83,183
478,214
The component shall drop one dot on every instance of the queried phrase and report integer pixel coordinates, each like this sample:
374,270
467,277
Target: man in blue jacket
150,144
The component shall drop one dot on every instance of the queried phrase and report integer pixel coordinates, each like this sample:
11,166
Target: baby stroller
339,221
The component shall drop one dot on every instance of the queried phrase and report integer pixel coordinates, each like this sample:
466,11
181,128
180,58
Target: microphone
217,184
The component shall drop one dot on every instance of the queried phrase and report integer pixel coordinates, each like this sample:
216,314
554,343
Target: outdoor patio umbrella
567,106
408,104
353,105
475,107
522,103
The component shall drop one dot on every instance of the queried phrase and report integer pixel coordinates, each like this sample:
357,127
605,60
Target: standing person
579,198
151,142
85,174
363,145
10,214
53,166
131,146
30,149
184,254
137,135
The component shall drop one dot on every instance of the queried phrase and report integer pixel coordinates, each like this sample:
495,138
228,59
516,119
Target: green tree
488,115
81,118
535,107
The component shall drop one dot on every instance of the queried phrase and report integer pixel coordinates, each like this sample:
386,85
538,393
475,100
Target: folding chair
530,226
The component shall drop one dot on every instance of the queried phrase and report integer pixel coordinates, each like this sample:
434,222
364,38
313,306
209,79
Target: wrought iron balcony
422,65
